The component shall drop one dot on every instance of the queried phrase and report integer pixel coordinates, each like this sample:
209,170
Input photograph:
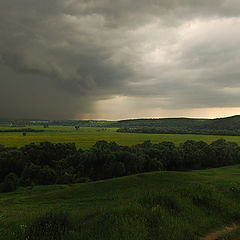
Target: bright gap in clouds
190,69
112,109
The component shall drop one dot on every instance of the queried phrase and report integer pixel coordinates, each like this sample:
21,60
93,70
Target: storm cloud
65,59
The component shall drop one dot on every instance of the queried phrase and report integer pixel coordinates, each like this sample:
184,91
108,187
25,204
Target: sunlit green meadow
85,137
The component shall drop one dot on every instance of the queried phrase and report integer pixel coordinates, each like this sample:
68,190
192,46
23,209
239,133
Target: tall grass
175,206
184,214
52,225
232,235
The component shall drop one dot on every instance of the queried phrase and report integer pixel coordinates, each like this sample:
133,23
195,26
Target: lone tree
76,127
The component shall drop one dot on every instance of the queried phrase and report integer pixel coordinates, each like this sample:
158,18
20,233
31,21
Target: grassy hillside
162,122
158,205
231,123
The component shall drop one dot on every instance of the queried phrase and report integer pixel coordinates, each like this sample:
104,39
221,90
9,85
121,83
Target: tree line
62,163
155,130
21,130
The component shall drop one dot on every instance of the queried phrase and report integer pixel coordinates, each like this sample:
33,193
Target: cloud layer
67,58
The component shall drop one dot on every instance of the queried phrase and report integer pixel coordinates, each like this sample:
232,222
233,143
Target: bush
46,176
30,175
66,178
10,183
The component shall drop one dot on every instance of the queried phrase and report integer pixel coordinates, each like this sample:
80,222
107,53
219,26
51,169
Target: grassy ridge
230,123
87,136
158,205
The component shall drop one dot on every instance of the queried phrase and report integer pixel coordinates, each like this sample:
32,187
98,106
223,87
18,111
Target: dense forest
47,163
180,131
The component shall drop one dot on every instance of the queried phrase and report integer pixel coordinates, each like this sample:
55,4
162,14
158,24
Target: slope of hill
229,123
162,122
157,205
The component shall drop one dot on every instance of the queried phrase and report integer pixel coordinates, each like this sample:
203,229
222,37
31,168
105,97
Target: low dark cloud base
58,59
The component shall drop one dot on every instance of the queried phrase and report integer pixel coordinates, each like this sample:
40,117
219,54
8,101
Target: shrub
10,183
66,178
46,176
30,174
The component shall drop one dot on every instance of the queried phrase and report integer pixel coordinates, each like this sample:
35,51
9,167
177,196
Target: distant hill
228,123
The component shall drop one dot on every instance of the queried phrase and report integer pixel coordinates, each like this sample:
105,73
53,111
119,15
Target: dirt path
215,235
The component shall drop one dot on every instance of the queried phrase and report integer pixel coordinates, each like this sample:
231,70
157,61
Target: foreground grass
232,235
158,205
87,136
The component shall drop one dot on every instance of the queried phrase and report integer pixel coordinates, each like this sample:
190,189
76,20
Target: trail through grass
225,230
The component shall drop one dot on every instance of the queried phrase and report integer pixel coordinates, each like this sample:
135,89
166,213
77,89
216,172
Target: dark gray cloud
58,59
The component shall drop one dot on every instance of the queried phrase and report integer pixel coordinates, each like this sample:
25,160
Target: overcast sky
116,59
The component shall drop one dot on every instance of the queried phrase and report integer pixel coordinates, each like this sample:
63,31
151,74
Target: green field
85,137
163,205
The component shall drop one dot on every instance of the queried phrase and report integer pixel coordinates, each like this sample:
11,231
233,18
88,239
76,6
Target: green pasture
166,205
85,137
